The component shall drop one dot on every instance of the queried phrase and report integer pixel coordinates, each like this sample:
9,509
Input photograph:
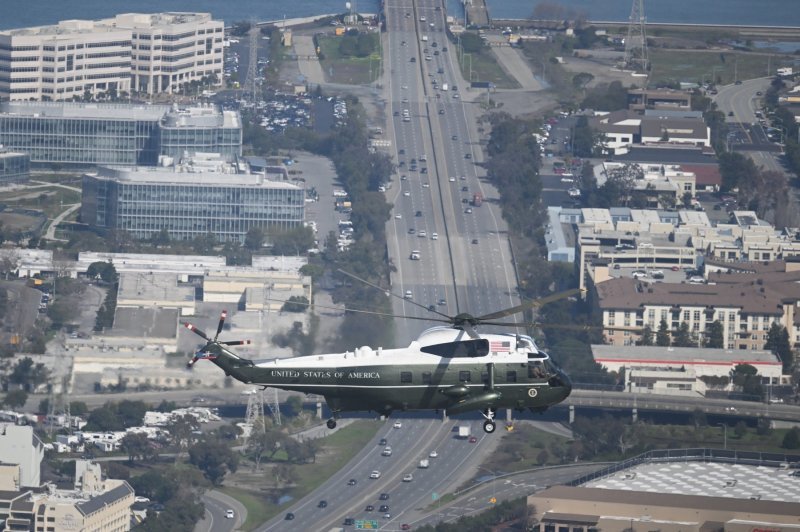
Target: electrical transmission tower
254,417
251,82
274,407
58,405
636,43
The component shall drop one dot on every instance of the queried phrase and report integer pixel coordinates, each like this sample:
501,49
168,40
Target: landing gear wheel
331,424
489,426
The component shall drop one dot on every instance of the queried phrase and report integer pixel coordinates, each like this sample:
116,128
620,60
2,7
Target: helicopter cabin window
464,349
405,377
536,369
426,377
511,376
484,376
464,376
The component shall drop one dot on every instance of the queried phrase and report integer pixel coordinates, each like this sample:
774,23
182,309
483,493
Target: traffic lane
308,514
217,505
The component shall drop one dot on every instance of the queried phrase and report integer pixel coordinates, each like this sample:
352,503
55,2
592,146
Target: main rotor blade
386,291
222,317
528,304
237,342
197,331
363,311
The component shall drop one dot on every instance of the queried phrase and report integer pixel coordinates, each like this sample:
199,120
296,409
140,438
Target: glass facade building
142,202
14,166
88,134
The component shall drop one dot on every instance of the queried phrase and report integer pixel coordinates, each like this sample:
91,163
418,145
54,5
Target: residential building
148,53
88,134
144,201
745,304
14,166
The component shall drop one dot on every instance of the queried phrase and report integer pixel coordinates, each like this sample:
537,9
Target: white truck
464,431
444,86
424,463
424,38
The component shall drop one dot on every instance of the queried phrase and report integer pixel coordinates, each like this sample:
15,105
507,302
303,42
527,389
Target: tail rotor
206,352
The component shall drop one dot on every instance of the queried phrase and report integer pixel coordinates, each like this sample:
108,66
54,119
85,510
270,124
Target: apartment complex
87,134
147,53
746,305
187,204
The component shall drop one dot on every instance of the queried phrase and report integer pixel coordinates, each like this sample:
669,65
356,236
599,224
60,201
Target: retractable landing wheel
489,425
331,423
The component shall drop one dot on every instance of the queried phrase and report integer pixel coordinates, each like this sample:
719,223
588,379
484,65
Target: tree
647,336
161,238
15,399
792,439
683,337
662,336
295,304
778,343
254,239
180,430
740,429
581,79
214,459
104,271
137,446
714,335
542,457
28,374
699,418
294,242
294,405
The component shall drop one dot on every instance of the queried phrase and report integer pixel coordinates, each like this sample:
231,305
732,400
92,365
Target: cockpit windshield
540,368
462,349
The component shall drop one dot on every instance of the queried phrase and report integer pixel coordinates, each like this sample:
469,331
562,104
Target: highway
410,443
468,265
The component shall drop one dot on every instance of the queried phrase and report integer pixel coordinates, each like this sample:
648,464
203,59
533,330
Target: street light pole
725,435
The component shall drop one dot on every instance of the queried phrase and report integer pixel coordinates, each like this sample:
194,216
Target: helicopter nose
567,384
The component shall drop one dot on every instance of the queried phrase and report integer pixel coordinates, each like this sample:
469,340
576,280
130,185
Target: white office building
148,53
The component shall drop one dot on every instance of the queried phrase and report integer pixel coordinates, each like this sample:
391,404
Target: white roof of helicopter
502,348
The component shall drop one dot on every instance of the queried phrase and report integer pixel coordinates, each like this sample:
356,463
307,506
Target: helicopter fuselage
438,371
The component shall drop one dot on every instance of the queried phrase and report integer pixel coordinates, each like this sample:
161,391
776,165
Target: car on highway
387,451
468,210
384,508
454,137
289,516
433,454
411,231
382,443
473,439
406,193
452,179
474,240
405,526
434,236
387,515
369,508
408,477
467,156
398,425
398,216
422,233
441,111
442,301
322,504
352,482
229,514
407,295
384,497
375,474
349,521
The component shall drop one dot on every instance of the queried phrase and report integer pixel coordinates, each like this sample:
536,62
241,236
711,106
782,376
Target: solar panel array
706,478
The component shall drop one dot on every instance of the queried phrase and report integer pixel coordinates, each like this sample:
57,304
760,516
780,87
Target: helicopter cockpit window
463,349
536,369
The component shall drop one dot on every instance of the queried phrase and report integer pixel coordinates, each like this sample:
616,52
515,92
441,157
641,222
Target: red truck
477,199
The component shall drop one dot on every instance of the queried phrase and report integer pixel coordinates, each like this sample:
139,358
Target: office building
119,134
133,52
14,166
186,204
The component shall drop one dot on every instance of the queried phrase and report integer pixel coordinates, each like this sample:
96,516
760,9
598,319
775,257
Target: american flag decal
497,346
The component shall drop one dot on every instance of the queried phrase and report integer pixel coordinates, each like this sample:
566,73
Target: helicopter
448,367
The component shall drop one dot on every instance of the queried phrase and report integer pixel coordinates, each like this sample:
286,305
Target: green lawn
338,450
483,66
49,200
724,67
349,69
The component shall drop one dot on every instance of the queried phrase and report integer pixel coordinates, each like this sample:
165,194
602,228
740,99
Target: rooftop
160,22
720,484
120,111
185,176
687,355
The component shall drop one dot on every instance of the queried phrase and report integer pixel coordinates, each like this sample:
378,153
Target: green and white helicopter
451,368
